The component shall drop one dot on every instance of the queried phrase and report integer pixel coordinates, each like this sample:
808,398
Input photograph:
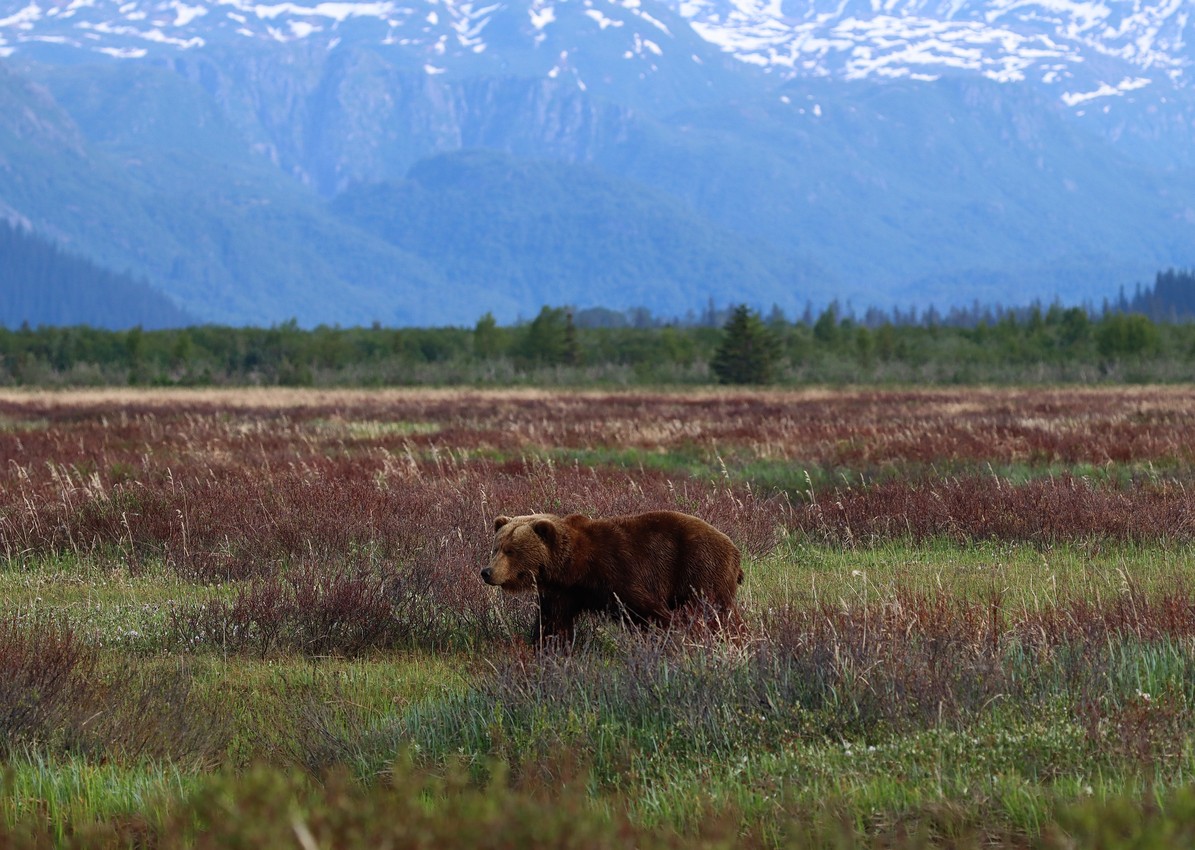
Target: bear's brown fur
645,566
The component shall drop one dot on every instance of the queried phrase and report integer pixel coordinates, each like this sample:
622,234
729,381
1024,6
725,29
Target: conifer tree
487,339
548,340
748,352
572,349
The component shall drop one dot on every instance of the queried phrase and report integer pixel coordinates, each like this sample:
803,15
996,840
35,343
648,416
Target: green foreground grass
632,740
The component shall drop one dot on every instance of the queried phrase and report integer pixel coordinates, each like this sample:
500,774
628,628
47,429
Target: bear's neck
561,568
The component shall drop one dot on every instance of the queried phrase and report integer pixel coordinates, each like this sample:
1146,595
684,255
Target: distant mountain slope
905,193
535,232
886,153
42,285
219,229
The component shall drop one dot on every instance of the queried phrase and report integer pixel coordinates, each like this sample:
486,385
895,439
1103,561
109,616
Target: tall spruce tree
550,339
748,352
572,348
487,339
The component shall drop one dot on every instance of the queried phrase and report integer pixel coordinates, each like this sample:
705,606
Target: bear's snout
487,575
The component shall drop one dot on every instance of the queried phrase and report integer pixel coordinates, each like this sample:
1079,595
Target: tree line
1038,344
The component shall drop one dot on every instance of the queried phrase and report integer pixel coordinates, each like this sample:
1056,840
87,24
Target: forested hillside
520,228
43,285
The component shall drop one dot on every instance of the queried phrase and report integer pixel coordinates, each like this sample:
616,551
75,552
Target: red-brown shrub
986,508
45,673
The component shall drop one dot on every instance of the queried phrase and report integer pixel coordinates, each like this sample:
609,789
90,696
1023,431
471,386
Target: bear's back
657,559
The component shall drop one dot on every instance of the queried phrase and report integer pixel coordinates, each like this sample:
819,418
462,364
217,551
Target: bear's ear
500,521
546,529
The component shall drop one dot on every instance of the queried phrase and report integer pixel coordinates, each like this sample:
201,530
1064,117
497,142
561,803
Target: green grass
1008,774
651,737
802,481
104,598
1023,575
298,709
66,791
281,712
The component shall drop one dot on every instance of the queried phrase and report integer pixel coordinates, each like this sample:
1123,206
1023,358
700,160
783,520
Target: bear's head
524,551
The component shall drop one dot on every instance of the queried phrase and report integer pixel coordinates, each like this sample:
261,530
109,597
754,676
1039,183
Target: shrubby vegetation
254,619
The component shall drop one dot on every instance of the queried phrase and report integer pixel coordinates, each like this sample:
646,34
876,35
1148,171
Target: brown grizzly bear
644,566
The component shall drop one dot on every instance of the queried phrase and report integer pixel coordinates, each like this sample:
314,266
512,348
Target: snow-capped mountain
1123,67
1083,51
435,36
887,151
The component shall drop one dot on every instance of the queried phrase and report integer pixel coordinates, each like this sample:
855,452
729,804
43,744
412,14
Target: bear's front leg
557,614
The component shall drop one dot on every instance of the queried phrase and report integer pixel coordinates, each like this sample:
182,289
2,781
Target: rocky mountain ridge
1085,50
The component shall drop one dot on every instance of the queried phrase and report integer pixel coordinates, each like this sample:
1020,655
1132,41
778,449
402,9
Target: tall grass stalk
65,793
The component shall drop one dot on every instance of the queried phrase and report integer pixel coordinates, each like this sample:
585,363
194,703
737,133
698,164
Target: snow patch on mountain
541,15
23,18
1105,90
1082,50
601,19
1087,49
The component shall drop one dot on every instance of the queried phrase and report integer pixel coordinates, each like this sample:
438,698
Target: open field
235,618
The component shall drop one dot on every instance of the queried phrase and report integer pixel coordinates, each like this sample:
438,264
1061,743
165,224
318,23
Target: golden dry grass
939,401
857,428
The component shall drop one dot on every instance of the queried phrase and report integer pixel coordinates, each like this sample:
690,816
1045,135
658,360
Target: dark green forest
42,285
1036,345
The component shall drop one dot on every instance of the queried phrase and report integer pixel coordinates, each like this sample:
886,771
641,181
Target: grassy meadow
249,618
